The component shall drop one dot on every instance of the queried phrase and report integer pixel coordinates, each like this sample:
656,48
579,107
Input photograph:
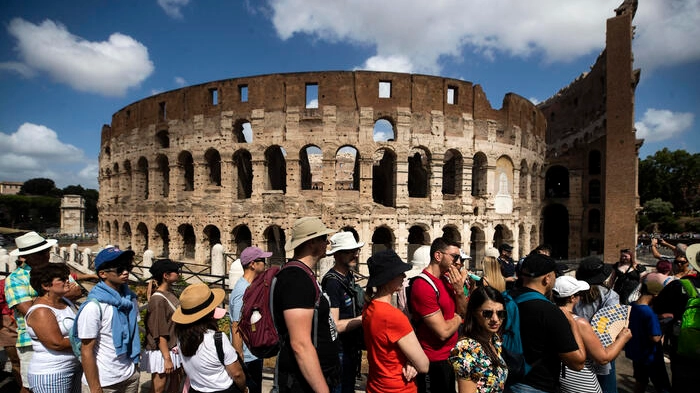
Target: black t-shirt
672,299
545,333
340,291
295,289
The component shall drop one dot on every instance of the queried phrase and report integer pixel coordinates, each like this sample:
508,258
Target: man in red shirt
437,316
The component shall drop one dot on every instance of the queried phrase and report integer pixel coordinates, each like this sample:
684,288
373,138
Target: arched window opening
347,169
479,172
418,173
162,241
534,182
242,238
451,233
244,169
141,239
594,163
502,235
594,221
186,164
164,171
213,160
594,191
126,236
452,173
523,182
188,239
211,237
276,165
418,236
382,239
275,239
115,240
556,230
383,177
311,165
384,131
243,131
142,181
163,139
556,182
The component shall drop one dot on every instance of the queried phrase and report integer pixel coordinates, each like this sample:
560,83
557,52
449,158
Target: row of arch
211,170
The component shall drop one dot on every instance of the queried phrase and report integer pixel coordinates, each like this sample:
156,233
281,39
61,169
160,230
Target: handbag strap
219,344
166,299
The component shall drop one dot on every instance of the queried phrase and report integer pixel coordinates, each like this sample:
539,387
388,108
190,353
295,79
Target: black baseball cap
536,265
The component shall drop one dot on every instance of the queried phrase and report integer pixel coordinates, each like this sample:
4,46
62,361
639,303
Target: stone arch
384,130
477,247
523,181
115,240
211,236
186,164
594,162
556,182
347,168
418,173
452,165
140,243
382,239
522,251
594,221
141,182
276,167
275,239
243,162
242,238
163,139
212,158
188,241
501,234
479,174
418,235
384,177
127,180
556,229
161,241
108,231
311,167
594,191
243,131
163,168
451,232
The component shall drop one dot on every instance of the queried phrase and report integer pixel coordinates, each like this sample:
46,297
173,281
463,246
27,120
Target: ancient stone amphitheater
399,159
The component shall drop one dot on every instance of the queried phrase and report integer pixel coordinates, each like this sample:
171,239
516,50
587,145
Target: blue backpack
512,344
75,342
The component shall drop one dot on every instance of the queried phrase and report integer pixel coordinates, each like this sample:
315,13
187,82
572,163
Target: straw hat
31,243
306,228
196,302
691,254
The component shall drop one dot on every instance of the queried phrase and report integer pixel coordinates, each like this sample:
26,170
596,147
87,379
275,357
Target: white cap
566,286
492,252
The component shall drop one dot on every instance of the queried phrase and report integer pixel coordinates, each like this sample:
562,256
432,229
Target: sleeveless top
584,381
50,361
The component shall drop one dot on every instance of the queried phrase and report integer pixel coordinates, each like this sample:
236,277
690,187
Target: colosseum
399,159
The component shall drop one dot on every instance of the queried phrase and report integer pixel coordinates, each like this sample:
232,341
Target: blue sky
66,67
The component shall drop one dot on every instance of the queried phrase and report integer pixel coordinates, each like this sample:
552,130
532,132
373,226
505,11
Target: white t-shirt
206,372
112,368
46,360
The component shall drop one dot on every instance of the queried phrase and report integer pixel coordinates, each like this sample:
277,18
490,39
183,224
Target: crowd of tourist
453,331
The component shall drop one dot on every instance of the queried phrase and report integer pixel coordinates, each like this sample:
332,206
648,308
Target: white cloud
156,91
35,151
312,104
422,31
534,100
388,63
17,67
104,67
180,81
667,33
661,124
172,7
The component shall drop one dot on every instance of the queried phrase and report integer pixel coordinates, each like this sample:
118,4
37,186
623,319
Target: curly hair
191,335
44,275
473,329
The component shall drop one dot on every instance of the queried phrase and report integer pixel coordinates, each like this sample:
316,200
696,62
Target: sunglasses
455,257
119,270
488,314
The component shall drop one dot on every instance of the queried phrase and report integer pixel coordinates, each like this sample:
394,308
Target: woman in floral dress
476,358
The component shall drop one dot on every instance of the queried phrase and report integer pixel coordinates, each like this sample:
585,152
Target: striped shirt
18,290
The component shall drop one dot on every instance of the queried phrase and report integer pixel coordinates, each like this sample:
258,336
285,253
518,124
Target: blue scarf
125,333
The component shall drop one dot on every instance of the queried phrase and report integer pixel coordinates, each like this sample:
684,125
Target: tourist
161,357
476,358
549,336
492,271
54,368
303,366
108,327
438,316
253,263
626,276
567,292
393,352
195,328
505,259
339,284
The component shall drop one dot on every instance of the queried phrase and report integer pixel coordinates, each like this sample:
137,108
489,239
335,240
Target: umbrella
609,321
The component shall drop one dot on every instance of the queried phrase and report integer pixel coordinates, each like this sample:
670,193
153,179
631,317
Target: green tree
40,186
673,176
656,209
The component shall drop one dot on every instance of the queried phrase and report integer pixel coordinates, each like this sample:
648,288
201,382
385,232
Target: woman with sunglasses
476,358
53,368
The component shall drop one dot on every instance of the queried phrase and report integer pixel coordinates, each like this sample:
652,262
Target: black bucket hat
593,271
385,266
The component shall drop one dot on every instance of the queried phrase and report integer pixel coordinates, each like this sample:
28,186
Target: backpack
76,343
415,321
512,350
689,336
257,324
354,338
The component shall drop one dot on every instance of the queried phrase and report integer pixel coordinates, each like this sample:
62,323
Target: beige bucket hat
306,228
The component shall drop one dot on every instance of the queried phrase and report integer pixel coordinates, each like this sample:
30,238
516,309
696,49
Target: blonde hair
492,274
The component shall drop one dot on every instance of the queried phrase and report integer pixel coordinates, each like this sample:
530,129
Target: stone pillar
436,163
85,262
217,260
